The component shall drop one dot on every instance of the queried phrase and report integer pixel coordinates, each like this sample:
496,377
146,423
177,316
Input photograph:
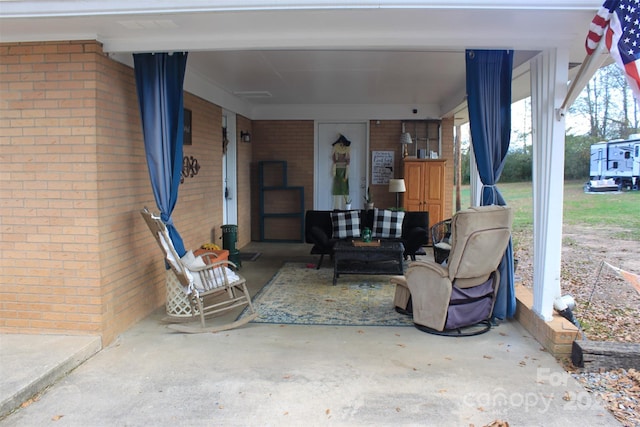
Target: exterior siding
75,251
51,252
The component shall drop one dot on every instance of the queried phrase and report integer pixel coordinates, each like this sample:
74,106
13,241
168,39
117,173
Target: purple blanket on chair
470,305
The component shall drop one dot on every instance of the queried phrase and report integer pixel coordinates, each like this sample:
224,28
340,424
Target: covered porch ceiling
318,59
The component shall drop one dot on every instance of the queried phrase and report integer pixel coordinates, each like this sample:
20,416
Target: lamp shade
405,138
397,186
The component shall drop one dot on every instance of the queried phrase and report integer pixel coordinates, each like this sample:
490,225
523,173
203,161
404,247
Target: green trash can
229,240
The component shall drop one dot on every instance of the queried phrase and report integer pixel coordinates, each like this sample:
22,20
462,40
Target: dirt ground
607,307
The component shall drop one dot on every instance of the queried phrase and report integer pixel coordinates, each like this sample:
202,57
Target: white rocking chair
213,281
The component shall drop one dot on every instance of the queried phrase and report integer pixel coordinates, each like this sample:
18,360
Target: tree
577,156
608,106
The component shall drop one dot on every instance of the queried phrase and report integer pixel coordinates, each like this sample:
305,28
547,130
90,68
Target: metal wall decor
190,168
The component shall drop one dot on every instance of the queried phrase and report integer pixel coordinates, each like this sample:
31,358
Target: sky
521,125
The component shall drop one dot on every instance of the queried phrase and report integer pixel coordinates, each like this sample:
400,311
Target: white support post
549,76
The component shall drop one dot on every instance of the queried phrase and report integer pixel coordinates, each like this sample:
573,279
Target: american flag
619,22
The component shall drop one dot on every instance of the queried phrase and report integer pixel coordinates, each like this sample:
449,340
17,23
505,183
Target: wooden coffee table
387,258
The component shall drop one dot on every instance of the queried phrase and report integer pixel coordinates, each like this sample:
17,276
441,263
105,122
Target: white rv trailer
615,163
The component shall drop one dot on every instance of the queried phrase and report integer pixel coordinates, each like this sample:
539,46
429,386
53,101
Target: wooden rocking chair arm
218,275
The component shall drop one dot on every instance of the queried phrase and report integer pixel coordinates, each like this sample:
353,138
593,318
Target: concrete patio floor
263,375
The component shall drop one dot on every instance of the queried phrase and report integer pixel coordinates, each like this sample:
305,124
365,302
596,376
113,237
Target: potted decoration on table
368,200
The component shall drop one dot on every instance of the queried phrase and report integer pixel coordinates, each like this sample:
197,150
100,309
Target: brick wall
76,256
127,291
50,275
384,136
244,181
198,213
293,142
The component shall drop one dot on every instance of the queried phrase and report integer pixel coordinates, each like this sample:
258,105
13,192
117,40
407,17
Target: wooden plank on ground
594,356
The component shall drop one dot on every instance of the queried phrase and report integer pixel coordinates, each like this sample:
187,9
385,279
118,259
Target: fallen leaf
56,417
29,402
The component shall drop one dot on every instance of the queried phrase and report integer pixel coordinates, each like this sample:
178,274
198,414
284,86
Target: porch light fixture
405,139
245,136
397,186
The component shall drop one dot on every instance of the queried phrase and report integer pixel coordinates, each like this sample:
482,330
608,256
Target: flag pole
587,69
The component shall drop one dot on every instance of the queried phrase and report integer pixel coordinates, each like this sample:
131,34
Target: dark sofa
318,232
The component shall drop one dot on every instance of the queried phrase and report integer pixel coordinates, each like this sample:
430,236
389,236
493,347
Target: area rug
301,295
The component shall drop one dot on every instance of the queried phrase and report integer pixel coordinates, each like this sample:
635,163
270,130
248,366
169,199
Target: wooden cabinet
424,180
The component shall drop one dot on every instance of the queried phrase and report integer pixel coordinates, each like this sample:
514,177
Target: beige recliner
460,293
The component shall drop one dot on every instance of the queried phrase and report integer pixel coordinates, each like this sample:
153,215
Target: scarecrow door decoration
341,158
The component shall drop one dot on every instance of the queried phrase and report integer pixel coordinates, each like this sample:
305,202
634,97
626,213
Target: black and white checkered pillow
387,224
345,224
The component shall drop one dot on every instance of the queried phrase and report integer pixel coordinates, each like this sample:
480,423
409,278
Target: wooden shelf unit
280,204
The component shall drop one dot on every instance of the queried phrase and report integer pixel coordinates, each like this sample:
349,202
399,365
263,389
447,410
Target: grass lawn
618,212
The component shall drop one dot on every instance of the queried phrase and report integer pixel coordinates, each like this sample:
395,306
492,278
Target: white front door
327,133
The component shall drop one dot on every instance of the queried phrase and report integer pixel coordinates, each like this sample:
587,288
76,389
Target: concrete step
31,363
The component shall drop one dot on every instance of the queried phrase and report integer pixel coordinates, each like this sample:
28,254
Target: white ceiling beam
48,8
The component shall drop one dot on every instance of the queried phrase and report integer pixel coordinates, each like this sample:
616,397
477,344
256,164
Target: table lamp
397,186
405,140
